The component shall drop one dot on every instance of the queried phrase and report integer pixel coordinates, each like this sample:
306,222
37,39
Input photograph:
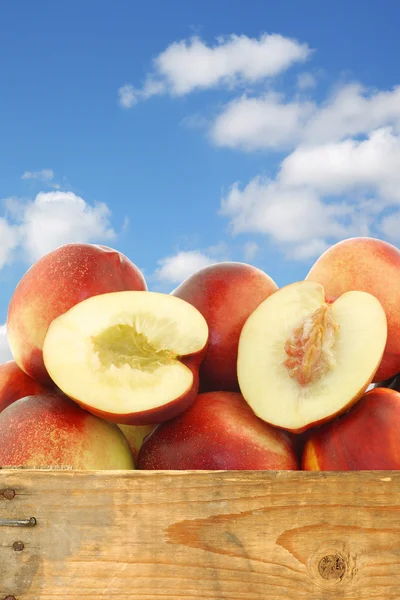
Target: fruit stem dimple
309,348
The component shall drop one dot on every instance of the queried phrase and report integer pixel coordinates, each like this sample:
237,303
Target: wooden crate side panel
201,535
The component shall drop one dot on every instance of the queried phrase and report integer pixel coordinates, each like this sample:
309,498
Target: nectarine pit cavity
310,346
123,344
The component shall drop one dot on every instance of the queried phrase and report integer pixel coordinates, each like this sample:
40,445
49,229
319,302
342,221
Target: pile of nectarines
228,371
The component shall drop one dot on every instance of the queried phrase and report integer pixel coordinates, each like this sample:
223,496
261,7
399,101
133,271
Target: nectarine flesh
302,361
130,357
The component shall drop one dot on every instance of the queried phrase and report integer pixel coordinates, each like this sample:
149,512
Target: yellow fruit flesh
121,352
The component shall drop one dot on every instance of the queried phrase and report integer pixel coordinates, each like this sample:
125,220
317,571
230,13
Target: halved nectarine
130,357
301,360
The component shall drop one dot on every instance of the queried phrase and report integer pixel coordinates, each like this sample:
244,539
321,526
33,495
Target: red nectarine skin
225,294
219,431
366,437
44,417
54,284
15,384
367,265
51,430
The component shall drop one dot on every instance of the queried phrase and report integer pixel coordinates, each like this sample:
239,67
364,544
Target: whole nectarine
219,431
366,437
15,384
367,265
52,431
226,294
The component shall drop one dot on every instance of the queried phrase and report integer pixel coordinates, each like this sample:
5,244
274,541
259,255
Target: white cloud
49,221
57,218
190,65
390,227
287,214
311,249
323,194
44,176
265,122
250,250
341,167
353,110
342,175
8,241
271,122
174,269
5,352
127,96
306,81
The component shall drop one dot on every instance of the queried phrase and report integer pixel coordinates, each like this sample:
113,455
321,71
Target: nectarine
55,283
301,361
226,294
129,357
135,434
219,431
366,265
366,437
15,384
52,431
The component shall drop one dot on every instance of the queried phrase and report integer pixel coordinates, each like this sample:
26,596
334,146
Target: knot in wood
18,546
9,495
332,566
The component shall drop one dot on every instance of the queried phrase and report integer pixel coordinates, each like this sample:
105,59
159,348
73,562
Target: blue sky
184,133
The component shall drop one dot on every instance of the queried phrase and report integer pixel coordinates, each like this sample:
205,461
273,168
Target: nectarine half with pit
219,431
130,357
52,431
301,360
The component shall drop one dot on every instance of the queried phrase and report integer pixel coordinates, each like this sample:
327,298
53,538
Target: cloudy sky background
184,133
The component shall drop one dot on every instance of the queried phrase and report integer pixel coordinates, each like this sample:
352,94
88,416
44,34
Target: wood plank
201,535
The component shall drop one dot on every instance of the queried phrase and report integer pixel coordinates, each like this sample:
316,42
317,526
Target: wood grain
201,535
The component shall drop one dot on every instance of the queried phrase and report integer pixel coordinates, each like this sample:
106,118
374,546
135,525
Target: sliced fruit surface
131,357
301,360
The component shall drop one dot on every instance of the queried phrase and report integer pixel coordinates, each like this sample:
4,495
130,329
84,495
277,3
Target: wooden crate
221,535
